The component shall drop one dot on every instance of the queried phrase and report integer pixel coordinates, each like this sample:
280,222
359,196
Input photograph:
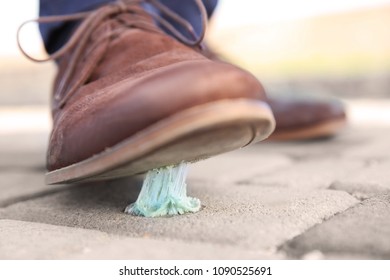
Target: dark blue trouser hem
55,35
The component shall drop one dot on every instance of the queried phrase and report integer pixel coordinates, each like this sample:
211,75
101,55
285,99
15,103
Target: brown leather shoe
306,118
129,98
301,117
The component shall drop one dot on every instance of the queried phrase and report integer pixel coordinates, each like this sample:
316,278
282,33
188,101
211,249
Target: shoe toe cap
99,121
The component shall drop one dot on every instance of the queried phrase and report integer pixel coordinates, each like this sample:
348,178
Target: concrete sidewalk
312,200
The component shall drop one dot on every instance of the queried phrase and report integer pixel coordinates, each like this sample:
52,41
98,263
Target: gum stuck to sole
164,193
191,135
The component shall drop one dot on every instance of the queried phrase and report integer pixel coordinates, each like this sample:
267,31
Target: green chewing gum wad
164,193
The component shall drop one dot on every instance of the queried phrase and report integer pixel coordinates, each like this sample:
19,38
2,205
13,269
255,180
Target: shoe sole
321,130
191,135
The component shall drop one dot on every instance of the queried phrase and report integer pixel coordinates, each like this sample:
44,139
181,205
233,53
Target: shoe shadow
102,196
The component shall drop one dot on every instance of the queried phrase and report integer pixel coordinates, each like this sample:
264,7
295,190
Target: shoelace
78,41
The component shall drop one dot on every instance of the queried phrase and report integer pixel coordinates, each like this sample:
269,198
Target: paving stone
23,151
22,185
250,217
25,240
308,174
149,249
361,230
331,148
375,149
372,179
318,255
237,166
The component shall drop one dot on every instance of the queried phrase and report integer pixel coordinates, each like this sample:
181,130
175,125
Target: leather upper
297,113
138,78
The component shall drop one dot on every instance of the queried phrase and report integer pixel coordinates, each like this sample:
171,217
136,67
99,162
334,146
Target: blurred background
337,48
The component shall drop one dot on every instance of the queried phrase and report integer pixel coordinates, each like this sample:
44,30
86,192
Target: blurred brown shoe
306,118
128,98
300,117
